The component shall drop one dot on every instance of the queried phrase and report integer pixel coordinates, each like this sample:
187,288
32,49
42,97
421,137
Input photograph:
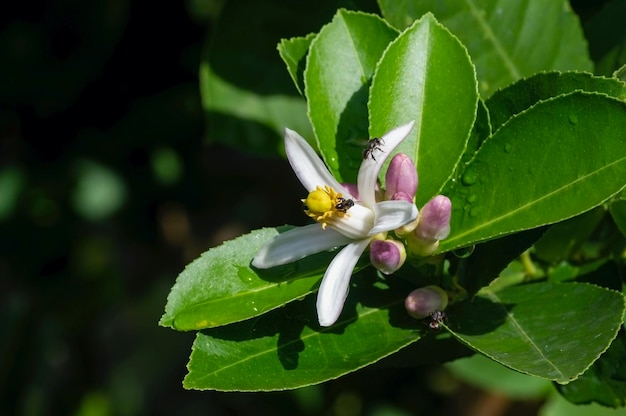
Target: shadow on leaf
477,316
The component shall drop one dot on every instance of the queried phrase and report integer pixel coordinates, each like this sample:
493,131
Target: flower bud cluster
421,236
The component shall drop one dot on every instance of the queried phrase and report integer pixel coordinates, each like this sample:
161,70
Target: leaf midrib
497,45
530,204
524,336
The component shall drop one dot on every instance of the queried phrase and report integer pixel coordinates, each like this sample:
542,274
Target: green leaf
606,34
605,381
294,51
285,348
487,374
541,329
535,168
246,119
620,73
340,65
490,258
564,238
618,213
506,41
525,93
247,96
559,406
220,287
426,75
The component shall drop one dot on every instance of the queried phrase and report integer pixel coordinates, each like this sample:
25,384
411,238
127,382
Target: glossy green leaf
541,329
506,40
286,349
340,65
221,287
605,381
294,52
525,93
535,169
426,75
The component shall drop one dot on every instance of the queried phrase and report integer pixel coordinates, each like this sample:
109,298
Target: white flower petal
308,166
296,244
356,224
335,283
393,214
370,168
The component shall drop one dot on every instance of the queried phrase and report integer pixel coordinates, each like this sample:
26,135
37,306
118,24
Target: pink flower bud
425,301
434,219
401,196
387,255
401,177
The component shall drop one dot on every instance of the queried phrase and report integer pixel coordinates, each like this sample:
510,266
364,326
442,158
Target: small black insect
435,320
344,204
372,145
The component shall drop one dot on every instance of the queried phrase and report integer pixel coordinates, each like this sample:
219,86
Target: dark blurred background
113,177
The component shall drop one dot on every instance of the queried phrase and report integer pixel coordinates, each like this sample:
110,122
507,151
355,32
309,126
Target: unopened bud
401,177
425,301
434,219
387,255
402,196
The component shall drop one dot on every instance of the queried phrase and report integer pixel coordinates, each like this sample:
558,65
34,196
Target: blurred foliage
111,181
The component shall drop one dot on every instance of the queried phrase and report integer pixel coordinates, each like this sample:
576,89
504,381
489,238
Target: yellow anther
322,204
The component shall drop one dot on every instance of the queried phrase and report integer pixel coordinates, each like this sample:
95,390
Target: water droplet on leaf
508,147
469,177
333,163
474,212
573,118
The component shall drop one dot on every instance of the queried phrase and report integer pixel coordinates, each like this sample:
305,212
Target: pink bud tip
401,177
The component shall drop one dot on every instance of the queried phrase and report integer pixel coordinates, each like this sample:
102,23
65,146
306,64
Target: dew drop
464,252
471,198
508,147
252,306
474,212
573,118
333,163
469,177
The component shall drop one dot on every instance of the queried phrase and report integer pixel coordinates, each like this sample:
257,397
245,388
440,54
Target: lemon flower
341,219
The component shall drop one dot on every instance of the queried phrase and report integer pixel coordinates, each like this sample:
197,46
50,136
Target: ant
344,204
436,319
372,145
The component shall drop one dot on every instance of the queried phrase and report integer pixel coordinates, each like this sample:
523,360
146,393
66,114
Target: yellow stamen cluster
322,204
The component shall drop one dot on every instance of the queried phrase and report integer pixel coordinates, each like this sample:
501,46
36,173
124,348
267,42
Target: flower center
322,204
